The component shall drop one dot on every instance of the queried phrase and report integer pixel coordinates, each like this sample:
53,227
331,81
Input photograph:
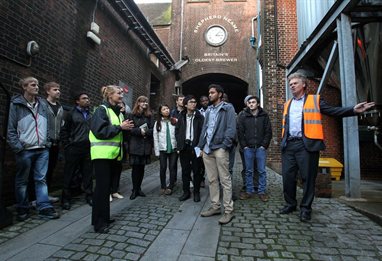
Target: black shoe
133,195
89,200
141,194
66,205
48,213
102,230
197,197
184,197
305,216
110,221
287,210
22,216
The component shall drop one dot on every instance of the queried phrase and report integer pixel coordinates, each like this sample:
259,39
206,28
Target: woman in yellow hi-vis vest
106,152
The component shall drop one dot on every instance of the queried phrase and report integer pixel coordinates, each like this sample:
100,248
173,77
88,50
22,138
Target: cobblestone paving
18,228
136,227
336,232
258,231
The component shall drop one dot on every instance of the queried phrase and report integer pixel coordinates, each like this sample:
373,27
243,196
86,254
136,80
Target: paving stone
78,256
258,232
91,257
121,246
132,256
64,253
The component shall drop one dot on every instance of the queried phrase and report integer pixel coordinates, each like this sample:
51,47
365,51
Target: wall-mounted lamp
32,48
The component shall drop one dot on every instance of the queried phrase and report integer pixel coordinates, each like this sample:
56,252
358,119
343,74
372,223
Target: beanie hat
246,99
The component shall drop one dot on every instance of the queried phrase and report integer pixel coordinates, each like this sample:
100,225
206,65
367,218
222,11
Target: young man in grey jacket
55,114
28,138
218,133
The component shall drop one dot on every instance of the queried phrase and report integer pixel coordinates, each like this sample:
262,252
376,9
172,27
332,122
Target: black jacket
100,124
254,131
180,129
75,131
137,143
312,144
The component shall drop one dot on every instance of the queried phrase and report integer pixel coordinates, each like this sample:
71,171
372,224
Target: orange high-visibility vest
312,118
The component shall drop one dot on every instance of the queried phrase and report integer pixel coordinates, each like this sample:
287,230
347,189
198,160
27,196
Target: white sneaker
117,195
111,198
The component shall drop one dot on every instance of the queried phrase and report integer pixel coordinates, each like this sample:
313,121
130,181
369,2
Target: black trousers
104,170
77,159
296,159
171,158
189,162
116,177
137,173
53,158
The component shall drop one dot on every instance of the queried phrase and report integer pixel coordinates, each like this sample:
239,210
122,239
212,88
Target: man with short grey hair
302,140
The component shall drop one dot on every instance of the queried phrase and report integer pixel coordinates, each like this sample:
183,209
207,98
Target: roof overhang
360,11
131,14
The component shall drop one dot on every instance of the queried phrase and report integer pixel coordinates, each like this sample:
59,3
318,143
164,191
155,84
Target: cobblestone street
163,228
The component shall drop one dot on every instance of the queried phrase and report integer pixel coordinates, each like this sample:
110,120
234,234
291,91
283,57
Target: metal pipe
278,64
376,139
19,63
376,133
181,29
252,40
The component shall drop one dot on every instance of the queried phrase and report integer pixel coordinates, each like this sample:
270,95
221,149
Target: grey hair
299,75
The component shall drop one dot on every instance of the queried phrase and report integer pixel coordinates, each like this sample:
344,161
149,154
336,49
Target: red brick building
66,55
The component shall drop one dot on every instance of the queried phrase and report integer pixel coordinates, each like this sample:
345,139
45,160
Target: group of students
94,143
202,139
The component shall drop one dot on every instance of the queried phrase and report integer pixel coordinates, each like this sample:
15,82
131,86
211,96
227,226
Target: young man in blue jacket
218,133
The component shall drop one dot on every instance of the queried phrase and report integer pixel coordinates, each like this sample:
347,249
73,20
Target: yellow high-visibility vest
110,148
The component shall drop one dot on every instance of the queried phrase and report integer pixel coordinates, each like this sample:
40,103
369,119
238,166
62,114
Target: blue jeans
34,162
249,156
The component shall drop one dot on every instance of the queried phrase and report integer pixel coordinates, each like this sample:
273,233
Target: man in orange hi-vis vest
302,139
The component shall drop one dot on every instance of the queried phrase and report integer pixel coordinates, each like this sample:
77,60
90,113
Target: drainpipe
181,29
178,82
278,64
376,133
252,40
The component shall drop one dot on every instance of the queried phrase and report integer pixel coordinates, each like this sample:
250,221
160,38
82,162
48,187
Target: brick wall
278,36
235,17
67,57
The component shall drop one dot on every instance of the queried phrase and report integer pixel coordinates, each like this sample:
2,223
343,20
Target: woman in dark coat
140,140
106,127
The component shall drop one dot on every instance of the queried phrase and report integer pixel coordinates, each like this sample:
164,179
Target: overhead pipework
131,14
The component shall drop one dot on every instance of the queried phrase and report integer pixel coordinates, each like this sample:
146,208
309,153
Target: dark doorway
235,88
154,92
